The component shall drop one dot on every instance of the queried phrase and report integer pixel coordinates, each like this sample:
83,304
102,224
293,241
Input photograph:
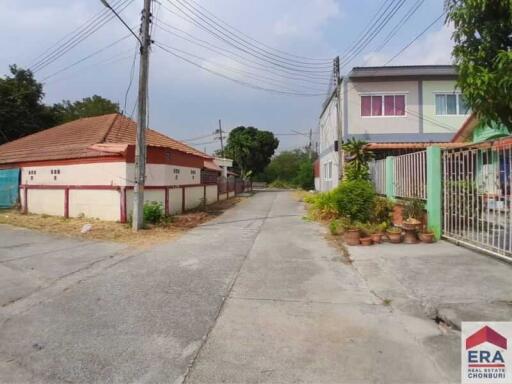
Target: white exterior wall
100,204
107,173
163,174
211,194
46,201
150,195
193,197
328,155
175,200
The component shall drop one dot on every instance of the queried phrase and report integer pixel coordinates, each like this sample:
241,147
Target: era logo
485,356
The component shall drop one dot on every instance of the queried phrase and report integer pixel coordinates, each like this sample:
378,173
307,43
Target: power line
243,47
78,38
291,92
416,38
106,4
371,36
400,24
132,75
252,63
239,32
85,58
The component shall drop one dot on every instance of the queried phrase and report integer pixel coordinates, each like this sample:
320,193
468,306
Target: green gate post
390,178
434,190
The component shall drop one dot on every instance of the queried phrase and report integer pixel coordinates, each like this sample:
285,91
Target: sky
186,100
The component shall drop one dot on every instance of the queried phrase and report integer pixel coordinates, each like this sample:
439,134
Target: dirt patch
113,231
337,242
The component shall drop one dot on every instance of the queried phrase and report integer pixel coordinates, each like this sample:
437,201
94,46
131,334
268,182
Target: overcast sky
186,101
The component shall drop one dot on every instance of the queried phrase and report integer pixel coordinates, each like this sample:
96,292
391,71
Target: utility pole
219,131
310,146
140,144
337,79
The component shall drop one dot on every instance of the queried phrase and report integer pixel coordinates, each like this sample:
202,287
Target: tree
293,168
357,158
21,109
250,149
87,107
483,54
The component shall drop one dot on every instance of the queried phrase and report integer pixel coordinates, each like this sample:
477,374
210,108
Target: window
328,170
451,104
176,171
382,105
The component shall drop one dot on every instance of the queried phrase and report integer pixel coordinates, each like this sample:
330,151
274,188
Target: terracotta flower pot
352,236
394,237
426,237
377,238
366,241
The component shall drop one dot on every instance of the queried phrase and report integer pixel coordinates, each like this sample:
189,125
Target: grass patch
114,231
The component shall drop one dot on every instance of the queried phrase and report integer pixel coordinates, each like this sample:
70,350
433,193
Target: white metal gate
477,197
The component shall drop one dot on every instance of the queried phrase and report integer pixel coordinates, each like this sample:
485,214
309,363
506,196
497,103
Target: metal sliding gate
477,193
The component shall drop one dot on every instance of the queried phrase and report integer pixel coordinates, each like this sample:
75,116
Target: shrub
280,184
339,226
322,205
153,212
382,210
354,199
414,208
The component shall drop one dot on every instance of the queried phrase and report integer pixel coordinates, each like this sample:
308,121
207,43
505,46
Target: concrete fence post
390,177
434,193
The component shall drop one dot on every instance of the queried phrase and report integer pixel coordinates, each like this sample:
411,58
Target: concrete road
256,296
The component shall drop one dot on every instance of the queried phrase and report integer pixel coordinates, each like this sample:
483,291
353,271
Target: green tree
21,109
293,168
483,54
251,149
357,158
87,107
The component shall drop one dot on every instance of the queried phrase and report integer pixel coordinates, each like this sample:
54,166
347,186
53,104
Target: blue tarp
9,186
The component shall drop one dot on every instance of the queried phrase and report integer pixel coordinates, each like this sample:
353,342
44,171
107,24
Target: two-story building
395,109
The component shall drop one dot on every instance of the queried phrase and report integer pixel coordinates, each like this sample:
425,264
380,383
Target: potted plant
352,236
426,236
365,230
394,235
377,232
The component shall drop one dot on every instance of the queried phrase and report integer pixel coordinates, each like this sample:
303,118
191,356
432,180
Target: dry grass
112,231
301,194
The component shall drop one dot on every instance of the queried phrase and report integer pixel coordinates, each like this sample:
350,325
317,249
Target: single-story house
86,168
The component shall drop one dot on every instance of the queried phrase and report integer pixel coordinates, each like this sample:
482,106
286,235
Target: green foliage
250,148
483,55
339,226
280,184
87,107
293,168
21,109
357,158
322,205
355,199
414,208
382,210
153,212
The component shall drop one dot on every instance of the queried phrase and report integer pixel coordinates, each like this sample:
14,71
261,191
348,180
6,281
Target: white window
450,104
328,170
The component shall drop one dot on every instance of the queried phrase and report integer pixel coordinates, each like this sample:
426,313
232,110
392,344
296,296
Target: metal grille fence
476,198
410,175
378,175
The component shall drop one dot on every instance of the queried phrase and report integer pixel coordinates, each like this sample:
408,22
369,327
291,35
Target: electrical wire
241,82
239,32
236,36
400,24
252,63
132,75
77,39
416,38
242,47
85,58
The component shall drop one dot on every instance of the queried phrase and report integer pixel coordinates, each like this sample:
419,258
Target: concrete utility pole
337,79
140,144
219,131
310,145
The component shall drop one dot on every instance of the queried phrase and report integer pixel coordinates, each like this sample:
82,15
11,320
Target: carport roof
98,136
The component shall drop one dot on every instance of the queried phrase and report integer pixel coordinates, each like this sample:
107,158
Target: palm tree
357,157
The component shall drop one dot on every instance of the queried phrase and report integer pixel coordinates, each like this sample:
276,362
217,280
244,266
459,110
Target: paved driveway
256,296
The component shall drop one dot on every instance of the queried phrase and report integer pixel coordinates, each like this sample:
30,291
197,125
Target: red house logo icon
486,334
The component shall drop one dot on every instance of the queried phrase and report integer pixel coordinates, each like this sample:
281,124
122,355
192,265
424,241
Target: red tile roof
89,137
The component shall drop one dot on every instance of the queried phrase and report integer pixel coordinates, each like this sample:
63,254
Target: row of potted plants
359,235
